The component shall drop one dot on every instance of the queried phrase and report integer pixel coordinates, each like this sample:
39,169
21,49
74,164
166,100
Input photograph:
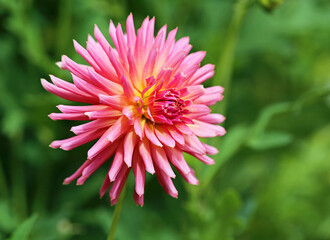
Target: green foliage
271,177
22,232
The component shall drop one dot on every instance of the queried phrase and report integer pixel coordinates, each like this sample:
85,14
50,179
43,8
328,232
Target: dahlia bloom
146,106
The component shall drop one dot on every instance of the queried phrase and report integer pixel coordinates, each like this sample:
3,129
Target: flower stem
116,214
226,59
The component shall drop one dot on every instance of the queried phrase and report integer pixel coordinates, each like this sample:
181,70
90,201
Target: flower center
168,107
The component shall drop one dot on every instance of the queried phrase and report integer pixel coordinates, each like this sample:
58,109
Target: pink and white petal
176,135
117,162
129,91
210,150
150,64
80,109
160,159
193,145
183,128
166,183
87,87
139,125
101,144
97,162
213,118
150,134
209,99
79,70
105,84
93,125
122,45
118,129
101,59
195,91
83,52
164,136
117,101
105,186
69,87
112,32
205,159
145,153
118,184
190,178
66,94
202,74
131,37
68,116
130,141
107,112
77,173
139,199
76,141
176,158
139,173
101,39
163,54
149,35
203,129
214,90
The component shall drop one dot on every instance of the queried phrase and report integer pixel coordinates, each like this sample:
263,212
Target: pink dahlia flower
146,106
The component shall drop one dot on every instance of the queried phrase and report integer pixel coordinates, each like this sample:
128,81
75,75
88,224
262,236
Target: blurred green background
272,175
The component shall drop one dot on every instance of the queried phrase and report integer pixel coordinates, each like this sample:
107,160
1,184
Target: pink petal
130,141
160,159
74,176
93,125
117,101
130,31
140,174
104,113
66,94
150,64
202,74
80,109
96,162
203,129
164,136
166,183
118,129
176,135
210,149
205,159
76,141
176,158
145,153
68,116
213,118
118,184
105,186
101,39
117,163
139,199
150,134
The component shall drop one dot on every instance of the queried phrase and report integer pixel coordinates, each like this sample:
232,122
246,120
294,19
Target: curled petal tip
66,181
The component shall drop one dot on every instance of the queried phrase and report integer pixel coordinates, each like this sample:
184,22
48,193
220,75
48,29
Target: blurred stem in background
225,64
224,70
116,214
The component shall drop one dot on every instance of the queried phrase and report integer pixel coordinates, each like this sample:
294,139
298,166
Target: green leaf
23,231
230,144
269,140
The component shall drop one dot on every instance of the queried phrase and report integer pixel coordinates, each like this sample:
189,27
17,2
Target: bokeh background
271,179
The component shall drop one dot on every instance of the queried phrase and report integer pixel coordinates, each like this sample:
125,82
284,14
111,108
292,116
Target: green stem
226,59
116,214
225,68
